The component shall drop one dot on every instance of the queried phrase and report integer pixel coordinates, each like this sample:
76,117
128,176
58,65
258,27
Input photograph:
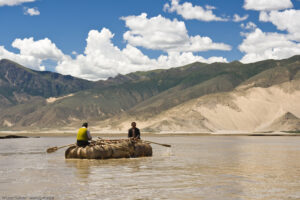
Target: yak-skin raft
105,149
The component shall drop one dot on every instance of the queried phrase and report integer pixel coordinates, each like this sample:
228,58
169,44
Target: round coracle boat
105,149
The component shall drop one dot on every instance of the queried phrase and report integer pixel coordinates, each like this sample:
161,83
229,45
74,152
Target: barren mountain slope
194,98
287,122
243,110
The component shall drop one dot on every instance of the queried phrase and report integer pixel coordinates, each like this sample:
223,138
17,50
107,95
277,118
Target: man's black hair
85,124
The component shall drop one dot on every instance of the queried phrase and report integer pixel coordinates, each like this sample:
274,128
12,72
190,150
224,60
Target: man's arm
138,134
89,135
129,133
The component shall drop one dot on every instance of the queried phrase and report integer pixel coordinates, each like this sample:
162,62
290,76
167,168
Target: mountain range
218,97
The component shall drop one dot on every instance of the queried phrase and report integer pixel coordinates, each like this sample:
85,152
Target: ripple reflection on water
196,167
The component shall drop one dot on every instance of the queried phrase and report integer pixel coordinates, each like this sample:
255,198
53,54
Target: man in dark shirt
134,132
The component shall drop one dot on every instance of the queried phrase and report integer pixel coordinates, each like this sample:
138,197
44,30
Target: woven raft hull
125,148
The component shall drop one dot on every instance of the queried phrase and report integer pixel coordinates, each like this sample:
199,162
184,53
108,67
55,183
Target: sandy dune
257,109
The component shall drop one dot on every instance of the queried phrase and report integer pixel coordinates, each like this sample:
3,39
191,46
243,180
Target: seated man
83,135
134,132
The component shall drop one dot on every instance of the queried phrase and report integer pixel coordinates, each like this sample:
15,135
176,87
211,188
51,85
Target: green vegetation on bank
297,131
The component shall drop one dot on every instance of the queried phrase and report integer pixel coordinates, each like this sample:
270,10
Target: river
195,167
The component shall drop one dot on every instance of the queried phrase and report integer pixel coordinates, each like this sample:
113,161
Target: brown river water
196,167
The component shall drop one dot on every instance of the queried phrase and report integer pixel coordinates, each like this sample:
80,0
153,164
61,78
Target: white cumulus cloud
102,59
159,33
209,7
31,11
33,53
237,18
249,26
188,11
28,61
259,45
287,20
265,5
14,2
41,49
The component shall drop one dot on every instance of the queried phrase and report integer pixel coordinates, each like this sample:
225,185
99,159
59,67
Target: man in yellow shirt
83,135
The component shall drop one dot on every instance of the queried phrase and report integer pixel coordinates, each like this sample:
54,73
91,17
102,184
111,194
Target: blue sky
95,39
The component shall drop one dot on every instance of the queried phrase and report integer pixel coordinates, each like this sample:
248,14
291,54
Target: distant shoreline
124,134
